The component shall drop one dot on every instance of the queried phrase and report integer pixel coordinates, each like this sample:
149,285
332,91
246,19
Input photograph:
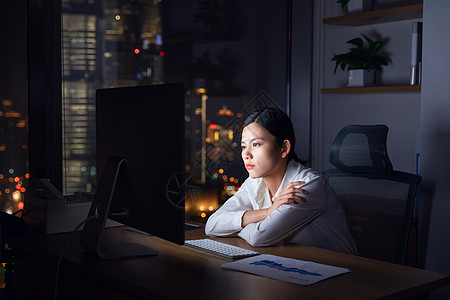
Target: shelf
408,12
373,89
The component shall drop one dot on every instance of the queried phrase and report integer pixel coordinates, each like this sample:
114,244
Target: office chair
377,200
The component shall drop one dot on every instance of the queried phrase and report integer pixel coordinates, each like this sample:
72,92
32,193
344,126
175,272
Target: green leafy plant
343,3
363,56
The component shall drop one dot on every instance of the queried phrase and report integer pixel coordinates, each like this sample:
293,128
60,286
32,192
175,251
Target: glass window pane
230,55
14,172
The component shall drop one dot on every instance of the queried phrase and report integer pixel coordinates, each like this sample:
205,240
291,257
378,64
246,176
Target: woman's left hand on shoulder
291,194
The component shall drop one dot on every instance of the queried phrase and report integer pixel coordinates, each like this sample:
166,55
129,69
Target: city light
230,190
12,115
12,185
17,195
201,91
21,124
137,51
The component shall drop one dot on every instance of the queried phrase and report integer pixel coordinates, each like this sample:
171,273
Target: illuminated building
104,44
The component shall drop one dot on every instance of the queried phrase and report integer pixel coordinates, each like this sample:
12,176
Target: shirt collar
262,191
291,171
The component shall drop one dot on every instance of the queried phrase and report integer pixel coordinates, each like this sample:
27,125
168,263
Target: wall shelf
408,12
373,89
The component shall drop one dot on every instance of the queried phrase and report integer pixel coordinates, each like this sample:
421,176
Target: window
231,56
14,172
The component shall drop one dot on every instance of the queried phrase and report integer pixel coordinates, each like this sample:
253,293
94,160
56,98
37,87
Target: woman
282,200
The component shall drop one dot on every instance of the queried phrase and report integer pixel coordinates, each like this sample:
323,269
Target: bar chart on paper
285,269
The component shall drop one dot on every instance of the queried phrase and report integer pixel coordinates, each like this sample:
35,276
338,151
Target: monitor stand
91,237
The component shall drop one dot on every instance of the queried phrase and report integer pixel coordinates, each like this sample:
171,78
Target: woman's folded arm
227,220
287,218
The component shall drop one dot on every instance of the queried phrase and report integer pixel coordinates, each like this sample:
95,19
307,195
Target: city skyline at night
129,43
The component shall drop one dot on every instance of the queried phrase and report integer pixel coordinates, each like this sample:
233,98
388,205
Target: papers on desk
285,269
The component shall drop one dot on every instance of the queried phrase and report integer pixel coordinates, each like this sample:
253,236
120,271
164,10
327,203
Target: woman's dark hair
278,124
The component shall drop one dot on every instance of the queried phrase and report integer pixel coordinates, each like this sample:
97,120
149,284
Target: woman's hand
289,195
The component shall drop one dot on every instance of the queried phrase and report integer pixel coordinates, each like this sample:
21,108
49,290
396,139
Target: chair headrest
361,149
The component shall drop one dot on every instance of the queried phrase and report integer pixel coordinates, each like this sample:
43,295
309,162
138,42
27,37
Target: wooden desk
180,272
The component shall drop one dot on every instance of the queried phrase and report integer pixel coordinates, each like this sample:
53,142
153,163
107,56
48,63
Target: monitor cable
58,265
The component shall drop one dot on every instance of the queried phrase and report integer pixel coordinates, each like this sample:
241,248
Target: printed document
285,269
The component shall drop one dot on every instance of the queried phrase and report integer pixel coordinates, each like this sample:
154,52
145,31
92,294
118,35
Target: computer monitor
140,165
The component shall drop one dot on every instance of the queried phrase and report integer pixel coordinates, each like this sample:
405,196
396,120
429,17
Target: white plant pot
359,5
361,77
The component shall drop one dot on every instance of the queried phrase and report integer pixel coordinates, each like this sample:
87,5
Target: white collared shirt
318,222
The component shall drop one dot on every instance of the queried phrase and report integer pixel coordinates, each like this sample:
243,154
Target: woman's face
261,156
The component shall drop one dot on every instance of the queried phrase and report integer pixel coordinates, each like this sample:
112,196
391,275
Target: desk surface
180,272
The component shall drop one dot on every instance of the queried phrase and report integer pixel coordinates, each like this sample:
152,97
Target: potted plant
361,61
343,3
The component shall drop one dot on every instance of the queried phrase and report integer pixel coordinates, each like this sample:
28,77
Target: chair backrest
361,149
378,201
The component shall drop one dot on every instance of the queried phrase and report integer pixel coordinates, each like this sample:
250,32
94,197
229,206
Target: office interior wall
418,122
434,141
300,80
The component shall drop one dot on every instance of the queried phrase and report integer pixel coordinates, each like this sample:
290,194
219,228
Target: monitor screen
140,163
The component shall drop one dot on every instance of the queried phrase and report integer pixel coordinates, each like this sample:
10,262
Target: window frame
44,91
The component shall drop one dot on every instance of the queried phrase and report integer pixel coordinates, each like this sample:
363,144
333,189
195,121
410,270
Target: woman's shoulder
298,171
298,168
